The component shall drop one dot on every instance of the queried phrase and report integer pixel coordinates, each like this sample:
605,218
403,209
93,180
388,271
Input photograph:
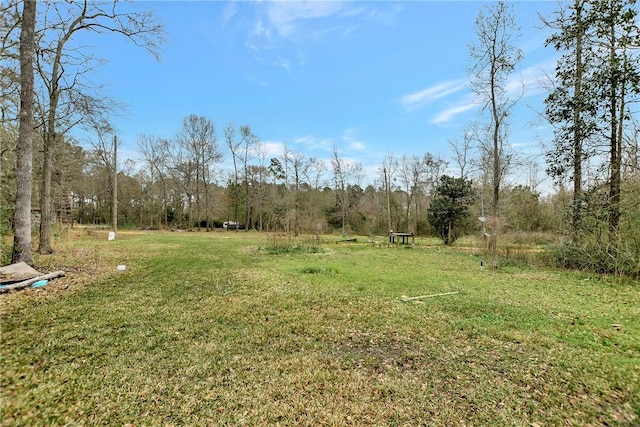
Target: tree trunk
493,242
614,179
616,173
45,197
49,150
24,154
577,126
387,184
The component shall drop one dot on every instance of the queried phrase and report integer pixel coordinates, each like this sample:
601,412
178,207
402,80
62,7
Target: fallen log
30,282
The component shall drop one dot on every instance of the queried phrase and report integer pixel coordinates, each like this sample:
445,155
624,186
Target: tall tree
617,81
568,107
299,168
261,153
155,152
234,148
411,170
248,144
22,213
276,170
388,170
495,57
105,162
345,175
60,66
340,177
199,144
597,78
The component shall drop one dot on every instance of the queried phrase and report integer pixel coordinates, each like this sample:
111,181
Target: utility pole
114,195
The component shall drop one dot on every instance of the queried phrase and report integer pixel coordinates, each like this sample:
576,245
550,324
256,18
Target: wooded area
181,183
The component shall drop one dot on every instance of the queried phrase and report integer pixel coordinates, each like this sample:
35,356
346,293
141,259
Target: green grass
214,329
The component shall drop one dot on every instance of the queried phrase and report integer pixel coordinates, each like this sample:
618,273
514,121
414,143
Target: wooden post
114,195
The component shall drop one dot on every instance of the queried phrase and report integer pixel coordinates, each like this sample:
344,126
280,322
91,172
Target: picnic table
404,237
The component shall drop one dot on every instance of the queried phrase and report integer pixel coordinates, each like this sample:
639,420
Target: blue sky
371,78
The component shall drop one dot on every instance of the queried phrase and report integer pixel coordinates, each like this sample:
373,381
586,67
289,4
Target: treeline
182,184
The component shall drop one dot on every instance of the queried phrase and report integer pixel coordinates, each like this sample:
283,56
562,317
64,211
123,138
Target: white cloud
260,30
287,17
283,62
531,80
229,12
451,112
280,24
296,21
417,100
353,142
256,80
527,82
357,146
311,142
273,148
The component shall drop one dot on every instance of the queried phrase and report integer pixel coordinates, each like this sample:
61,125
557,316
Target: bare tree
10,22
199,147
340,175
316,171
261,153
495,57
61,69
344,174
463,152
299,169
234,148
22,215
156,153
105,157
411,174
388,168
248,142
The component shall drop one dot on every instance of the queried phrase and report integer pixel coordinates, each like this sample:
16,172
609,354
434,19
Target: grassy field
249,329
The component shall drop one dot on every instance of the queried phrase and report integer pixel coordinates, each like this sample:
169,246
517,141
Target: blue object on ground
39,284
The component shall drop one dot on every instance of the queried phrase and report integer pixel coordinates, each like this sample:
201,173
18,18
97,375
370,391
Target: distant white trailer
232,225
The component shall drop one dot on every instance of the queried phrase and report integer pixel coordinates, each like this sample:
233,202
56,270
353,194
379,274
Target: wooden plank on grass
406,298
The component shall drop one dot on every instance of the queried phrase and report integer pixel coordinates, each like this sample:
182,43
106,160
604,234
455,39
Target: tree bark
577,125
50,140
24,154
614,179
497,121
